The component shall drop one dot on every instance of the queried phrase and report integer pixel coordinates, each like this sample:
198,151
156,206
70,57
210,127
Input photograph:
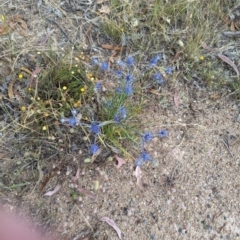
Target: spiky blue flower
63,120
123,112
117,118
147,137
120,63
104,66
145,156
128,89
129,78
95,61
163,133
158,77
118,90
94,148
119,73
74,112
138,162
130,61
153,61
95,128
72,121
98,87
120,115
169,70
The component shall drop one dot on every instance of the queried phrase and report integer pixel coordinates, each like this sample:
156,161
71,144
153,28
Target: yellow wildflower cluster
23,108
77,104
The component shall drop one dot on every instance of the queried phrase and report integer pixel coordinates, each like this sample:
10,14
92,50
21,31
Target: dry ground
191,191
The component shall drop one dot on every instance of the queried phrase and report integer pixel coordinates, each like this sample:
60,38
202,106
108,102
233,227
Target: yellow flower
72,72
44,128
23,108
201,58
64,88
20,76
3,17
46,114
82,89
122,29
77,104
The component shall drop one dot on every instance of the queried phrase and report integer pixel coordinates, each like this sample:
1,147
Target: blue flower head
104,66
163,133
63,120
95,128
117,118
118,90
129,78
153,62
169,70
158,77
98,87
120,115
130,61
128,89
94,148
118,73
123,112
74,112
95,61
72,121
147,137
120,63
138,162
146,157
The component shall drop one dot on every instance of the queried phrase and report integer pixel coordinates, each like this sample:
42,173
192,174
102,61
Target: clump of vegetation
87,97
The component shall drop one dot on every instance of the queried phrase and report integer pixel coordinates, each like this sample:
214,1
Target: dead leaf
26,70
120,162
12,24
230,62
204,45
34,73
175,98
50,193
22,32
5,70
86,192
76,176
4,30
138,174
112,224
232,27
176,57
10,89
111,47
104,9
23,24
